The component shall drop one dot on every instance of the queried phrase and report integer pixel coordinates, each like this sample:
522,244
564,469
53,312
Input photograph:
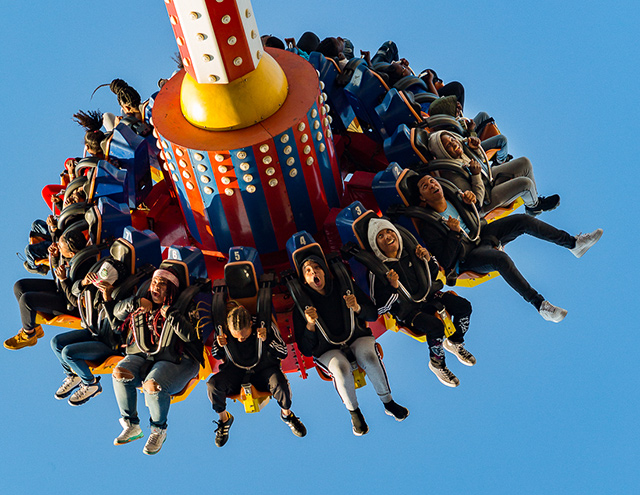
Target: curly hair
127,96
92,122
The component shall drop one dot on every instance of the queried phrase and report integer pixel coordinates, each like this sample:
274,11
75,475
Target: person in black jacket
386,243
449,240
164,351
251,354
323,332
49,296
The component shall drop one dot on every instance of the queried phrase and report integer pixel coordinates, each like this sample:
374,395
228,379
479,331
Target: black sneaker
359,424
38,270
222,431
293,422
545,203
396,410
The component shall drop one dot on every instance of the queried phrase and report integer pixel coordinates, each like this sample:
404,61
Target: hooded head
384,239
443,144
315,273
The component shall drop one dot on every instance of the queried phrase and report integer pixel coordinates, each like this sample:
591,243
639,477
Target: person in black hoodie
245,361
164,352
386,243
323,332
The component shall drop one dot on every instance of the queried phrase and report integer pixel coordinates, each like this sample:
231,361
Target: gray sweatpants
512,180
335,364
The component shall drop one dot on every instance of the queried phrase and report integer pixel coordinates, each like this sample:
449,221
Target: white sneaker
70,383
458,350
445,376
85,392
552,313
585,241
155,440
130,432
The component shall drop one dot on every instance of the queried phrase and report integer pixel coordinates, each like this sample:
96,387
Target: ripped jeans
171,377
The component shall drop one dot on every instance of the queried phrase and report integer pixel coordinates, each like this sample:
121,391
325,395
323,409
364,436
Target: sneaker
583,243
85,392
295,424
552,313
222,431
444,375
358,423
545,203
458,350
155,440
23,339
70,383
395,410
130,432
38,270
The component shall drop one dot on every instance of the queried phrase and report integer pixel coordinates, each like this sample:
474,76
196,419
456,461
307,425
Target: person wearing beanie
49,296
508,181
386,243
163,352
449,241
322,332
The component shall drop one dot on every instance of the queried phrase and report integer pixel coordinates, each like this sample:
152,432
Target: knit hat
75,240
375,226
446,105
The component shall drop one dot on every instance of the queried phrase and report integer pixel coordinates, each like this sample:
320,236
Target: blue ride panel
393,111
192,257
108,182
146,245
398,148
114,218
336,97
344,223
132,152
365,92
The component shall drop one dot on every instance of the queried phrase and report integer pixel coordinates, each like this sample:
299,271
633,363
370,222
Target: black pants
35,294
422,320
485,258
229,379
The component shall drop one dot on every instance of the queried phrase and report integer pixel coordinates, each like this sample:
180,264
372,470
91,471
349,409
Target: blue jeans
39,250
171,377
75,348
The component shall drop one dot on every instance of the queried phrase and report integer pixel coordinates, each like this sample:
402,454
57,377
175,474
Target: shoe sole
116,443
563,315
360,433
445,383
389,413
85,400
148,452
582,252
63,397
466,363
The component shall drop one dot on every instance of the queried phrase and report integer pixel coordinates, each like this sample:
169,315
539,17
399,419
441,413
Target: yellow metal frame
238,104
253,400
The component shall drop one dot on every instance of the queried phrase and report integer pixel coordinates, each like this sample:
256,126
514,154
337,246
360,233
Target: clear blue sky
548,408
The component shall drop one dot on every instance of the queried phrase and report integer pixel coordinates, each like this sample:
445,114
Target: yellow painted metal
66,321
358,378
250,399
391,324
239,104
